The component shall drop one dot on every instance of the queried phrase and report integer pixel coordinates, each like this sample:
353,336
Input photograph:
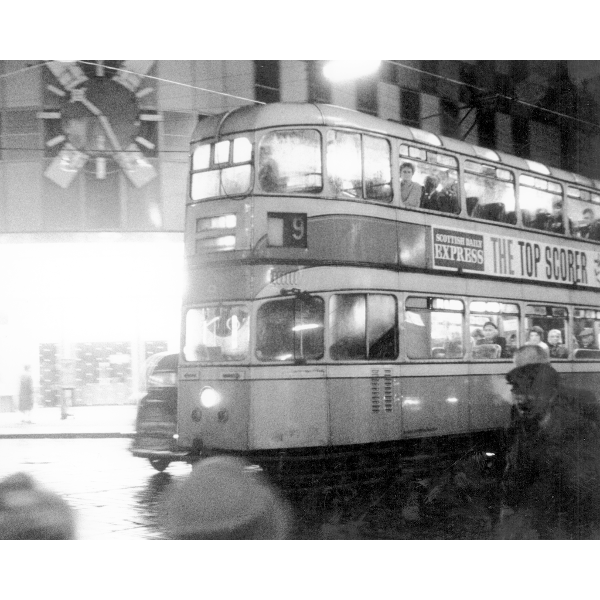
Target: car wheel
160,464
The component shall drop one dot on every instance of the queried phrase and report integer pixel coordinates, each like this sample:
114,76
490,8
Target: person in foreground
551,483
29,512
223,498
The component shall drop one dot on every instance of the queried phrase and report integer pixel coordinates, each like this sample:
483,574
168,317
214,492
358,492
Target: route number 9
288,230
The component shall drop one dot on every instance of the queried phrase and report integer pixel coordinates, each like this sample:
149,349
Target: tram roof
286,114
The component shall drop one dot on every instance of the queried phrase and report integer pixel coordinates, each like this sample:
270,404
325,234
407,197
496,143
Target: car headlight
209,397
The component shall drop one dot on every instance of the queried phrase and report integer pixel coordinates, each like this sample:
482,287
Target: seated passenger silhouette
535,337
554,222
555,346
540,220
429,197
448,200
490,333
586,340
410,191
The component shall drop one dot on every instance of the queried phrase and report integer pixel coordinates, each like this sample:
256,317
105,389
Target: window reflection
216,333
290,162
290,329
363,327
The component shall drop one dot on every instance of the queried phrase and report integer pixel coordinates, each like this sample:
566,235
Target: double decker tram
356,288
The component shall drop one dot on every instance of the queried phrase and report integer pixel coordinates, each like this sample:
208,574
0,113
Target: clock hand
109,132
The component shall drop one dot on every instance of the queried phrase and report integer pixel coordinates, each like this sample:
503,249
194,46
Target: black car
156,420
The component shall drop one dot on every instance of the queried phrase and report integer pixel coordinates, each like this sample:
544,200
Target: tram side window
290,329
216,333
228,174
547,326
541,204
434,327
494,329
289,162
586,334
363,327
490,193
346,155
583,211
437,174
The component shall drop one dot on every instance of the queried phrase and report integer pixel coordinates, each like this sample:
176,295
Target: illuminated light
175,436
490,454
452,399
306,327
155,216
411,402
209,397
285,357
222,222
219,244
344,70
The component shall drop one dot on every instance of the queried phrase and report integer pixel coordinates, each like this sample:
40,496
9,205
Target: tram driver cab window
290,329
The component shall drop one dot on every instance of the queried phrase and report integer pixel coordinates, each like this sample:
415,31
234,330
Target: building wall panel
294,81
23,194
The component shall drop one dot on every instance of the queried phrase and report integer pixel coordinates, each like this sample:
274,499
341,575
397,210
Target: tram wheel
160,464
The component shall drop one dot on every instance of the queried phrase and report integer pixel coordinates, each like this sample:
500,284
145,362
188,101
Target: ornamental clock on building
98,123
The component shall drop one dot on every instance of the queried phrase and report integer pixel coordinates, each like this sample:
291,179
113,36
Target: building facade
93,179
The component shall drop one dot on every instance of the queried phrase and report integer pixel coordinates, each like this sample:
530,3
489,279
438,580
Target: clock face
98,124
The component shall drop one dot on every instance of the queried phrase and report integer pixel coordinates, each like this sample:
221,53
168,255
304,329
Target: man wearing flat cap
586,339
551,483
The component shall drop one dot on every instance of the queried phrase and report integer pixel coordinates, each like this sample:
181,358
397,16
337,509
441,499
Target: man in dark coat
551,484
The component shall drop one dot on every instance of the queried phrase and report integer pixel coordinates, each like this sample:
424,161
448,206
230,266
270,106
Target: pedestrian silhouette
29,512
26,395
224,499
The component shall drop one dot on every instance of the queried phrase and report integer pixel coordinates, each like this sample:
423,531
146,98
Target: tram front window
290,329
216,333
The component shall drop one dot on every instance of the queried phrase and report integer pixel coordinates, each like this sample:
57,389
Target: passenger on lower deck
490,332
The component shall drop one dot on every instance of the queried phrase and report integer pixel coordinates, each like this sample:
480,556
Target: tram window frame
482,311
479,175
442,168
542,196
220,350
424,311
366,182
361,327
226,175
586,318
268,341
581,202
549,317
276,177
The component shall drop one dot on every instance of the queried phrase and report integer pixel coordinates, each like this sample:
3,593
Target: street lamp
344,70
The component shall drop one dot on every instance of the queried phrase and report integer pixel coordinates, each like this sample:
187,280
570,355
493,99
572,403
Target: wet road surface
119,496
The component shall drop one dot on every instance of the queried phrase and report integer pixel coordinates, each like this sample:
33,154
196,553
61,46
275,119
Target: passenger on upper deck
410,191
448,197
554,222
490,332
429,198
589,226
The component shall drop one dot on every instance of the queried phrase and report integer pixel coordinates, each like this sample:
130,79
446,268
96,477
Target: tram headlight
209,397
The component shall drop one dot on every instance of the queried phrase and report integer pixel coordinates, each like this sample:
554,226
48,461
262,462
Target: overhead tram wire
495,94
